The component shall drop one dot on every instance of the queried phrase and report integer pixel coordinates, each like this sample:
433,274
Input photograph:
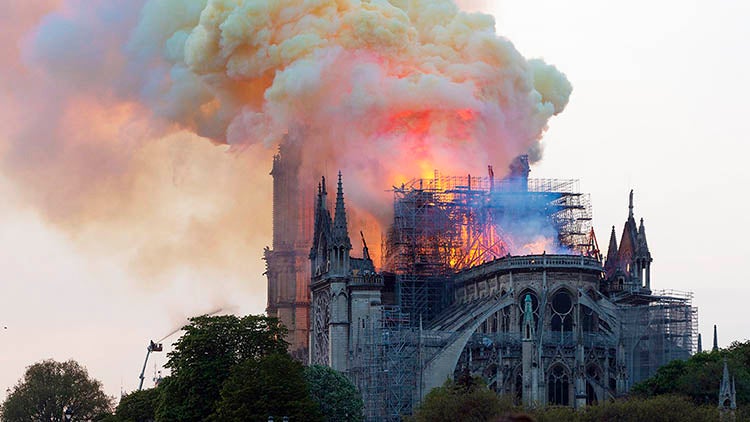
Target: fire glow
460,222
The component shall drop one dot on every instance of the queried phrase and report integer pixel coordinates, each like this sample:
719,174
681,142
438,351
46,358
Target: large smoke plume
109,99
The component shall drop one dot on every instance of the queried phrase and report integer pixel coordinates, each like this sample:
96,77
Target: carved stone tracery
321,320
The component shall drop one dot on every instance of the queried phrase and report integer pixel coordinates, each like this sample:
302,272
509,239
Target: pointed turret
716,341
611,251
323,194
316,218
632,265
628,241
319,252
727,393
725,378
643,255
340,236
320,202
642,243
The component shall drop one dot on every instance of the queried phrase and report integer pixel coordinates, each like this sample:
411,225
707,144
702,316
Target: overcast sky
659,106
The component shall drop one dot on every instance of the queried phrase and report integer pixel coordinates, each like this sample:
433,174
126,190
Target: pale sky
658,106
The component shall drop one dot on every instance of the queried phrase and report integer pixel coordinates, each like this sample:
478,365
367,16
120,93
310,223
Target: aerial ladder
158,347
152,347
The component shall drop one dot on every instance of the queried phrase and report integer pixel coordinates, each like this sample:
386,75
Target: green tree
49,386
698,377
204,356
138,406
337,397
466,399
272,386
664,408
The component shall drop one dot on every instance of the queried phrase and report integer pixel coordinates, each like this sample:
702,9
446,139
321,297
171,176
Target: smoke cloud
111,104
473,5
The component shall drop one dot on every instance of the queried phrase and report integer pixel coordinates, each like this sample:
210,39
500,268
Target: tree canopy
48,387
271,386
665,408
203,358
466,399
699,377
138,406
336,396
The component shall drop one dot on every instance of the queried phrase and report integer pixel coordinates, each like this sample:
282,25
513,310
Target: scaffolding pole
385,366
659,331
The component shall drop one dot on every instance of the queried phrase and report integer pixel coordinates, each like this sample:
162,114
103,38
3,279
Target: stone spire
340,235
700,343
319,256
612,249
725,378
323,191
628,248
727,393
321,211
642,243
716,341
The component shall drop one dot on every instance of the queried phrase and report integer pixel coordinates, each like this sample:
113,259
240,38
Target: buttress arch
441,366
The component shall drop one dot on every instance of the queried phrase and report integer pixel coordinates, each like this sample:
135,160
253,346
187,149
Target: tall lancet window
558,386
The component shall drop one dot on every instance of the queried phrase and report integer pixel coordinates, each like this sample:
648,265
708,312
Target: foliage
336,396
202,359
466,399
138,406
700,376
109,418
49,386
272,386
663,408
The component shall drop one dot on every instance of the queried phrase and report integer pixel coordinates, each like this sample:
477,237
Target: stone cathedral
561,326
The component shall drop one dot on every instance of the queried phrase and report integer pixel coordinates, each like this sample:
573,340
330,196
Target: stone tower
628,266
346,291
287,269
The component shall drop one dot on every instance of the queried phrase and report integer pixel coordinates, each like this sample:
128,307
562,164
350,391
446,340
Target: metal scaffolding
385,366
658,332
367,369
447,223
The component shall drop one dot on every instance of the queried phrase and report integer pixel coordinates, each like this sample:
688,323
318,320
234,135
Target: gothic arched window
558,386
562,307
